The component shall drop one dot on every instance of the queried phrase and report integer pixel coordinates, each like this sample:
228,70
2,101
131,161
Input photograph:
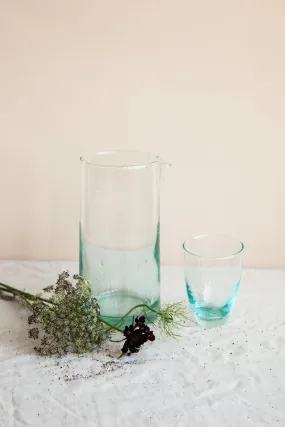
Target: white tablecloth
228,376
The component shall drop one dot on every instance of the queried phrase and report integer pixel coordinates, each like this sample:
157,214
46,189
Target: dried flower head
70,322
137,334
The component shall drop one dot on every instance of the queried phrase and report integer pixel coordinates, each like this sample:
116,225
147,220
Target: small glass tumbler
213,269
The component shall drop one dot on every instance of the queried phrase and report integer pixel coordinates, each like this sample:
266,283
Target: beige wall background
201,83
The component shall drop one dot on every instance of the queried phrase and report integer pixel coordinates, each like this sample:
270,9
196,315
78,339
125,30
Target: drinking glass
213,269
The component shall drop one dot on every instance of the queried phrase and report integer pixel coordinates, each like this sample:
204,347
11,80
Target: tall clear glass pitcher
120,231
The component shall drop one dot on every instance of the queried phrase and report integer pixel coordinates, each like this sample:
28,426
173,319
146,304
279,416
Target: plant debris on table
70,322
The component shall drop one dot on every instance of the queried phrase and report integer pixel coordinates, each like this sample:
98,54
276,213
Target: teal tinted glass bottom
209,315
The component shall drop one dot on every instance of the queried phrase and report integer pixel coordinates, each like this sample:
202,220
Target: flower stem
16,291
110,325
138,306
7,290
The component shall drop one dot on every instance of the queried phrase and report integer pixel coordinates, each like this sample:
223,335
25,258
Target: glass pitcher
120,231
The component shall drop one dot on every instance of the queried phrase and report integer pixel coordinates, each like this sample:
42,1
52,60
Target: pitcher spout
163,166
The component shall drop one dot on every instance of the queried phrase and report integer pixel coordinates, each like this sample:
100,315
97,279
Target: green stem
138,306
27,295
110,325
7,290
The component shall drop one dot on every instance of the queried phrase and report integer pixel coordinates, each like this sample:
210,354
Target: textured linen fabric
228,376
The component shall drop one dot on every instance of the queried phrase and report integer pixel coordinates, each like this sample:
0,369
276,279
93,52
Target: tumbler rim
202,236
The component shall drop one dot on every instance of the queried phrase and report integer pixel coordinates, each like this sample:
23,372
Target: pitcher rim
156,159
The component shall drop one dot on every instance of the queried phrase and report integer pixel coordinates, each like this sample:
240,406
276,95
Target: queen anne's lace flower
71,323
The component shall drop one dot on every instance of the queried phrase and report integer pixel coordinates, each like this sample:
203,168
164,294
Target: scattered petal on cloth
229,376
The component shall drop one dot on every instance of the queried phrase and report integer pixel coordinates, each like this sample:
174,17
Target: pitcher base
114,305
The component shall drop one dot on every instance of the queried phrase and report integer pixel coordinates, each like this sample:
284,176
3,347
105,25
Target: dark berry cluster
136,335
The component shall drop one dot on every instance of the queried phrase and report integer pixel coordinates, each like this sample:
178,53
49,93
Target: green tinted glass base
114,305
